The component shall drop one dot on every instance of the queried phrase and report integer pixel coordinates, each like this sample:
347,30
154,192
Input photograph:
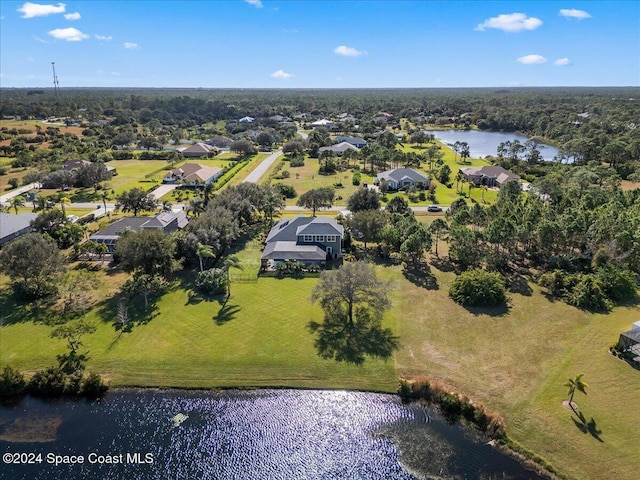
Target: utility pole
56,84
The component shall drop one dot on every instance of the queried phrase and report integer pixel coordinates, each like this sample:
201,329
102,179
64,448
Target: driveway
261,169
18,191
163,190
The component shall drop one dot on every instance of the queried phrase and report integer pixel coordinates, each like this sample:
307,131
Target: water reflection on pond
261,434
483,143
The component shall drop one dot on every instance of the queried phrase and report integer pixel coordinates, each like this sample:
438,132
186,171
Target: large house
339,148
355,141
193,174
489,175
309,240
402,178
323,123
165,221
13,226
200,149
629,341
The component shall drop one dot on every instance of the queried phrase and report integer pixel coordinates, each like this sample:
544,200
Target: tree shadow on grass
421,276
585,426
499,311
14,310
443,264
138,313
519,284
226,313
352,343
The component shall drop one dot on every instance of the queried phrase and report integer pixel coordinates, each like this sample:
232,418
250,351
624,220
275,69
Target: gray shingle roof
12,224
289,229
292,251
399,174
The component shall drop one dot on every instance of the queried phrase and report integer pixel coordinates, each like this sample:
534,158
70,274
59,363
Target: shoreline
505,445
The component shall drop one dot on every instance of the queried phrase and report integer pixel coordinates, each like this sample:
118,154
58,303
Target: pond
483,143
256,434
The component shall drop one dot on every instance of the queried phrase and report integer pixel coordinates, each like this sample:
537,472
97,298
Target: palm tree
483,188
104,196
232,261
576,384
204,251
166,205
62,200
17,202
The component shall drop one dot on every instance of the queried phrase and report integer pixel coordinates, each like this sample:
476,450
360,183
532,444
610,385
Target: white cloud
281,74
255,3
30,10
510,22
130,45
573,13
72,16
561,62
69,34
532,59
348,51
104,38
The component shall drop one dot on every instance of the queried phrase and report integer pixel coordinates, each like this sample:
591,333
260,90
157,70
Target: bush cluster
478,288
454,406
51,382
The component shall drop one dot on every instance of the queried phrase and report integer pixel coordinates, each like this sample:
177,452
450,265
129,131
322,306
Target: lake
255,434
483,143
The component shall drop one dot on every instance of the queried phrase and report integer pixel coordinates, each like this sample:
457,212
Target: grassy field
306,178
514,361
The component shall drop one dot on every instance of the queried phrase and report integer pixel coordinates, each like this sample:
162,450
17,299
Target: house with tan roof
193,175
489,175
200,149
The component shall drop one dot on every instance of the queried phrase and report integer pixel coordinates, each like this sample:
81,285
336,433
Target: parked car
434,208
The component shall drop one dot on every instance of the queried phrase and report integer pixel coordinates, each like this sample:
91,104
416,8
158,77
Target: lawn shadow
443,264
137,313
421,276
226,313
13,310
352,343
499,311
585,426
517,283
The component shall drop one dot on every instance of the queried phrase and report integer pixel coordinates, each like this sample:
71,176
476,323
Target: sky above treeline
320,44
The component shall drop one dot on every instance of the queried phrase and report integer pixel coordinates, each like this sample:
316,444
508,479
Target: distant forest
587,124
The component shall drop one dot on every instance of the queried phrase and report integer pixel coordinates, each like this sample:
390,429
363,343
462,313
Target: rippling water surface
261,434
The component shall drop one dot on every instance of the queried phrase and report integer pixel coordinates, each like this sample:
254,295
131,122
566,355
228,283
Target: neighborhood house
309,240
200,149
12,226
490,175
402,178
629,341
164,221
338,149
193,174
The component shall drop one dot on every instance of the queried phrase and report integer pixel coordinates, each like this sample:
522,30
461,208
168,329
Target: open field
514,361
306,178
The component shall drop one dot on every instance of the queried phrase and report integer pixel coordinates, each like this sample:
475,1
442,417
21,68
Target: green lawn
514,361
306,178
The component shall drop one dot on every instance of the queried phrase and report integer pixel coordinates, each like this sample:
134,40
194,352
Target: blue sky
319,44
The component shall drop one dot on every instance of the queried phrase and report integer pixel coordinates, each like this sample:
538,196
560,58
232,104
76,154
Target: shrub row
454,406
51,382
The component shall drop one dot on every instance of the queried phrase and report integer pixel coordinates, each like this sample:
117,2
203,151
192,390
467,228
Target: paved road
261,169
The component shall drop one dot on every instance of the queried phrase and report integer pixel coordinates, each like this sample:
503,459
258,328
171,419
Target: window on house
331,238
308,238
319,238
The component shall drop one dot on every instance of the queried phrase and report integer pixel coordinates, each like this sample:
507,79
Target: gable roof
289,229
322,123
293,251
339,147
12,224
400,174
114,230
74,164
200,147
491,171
194,172
351,140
